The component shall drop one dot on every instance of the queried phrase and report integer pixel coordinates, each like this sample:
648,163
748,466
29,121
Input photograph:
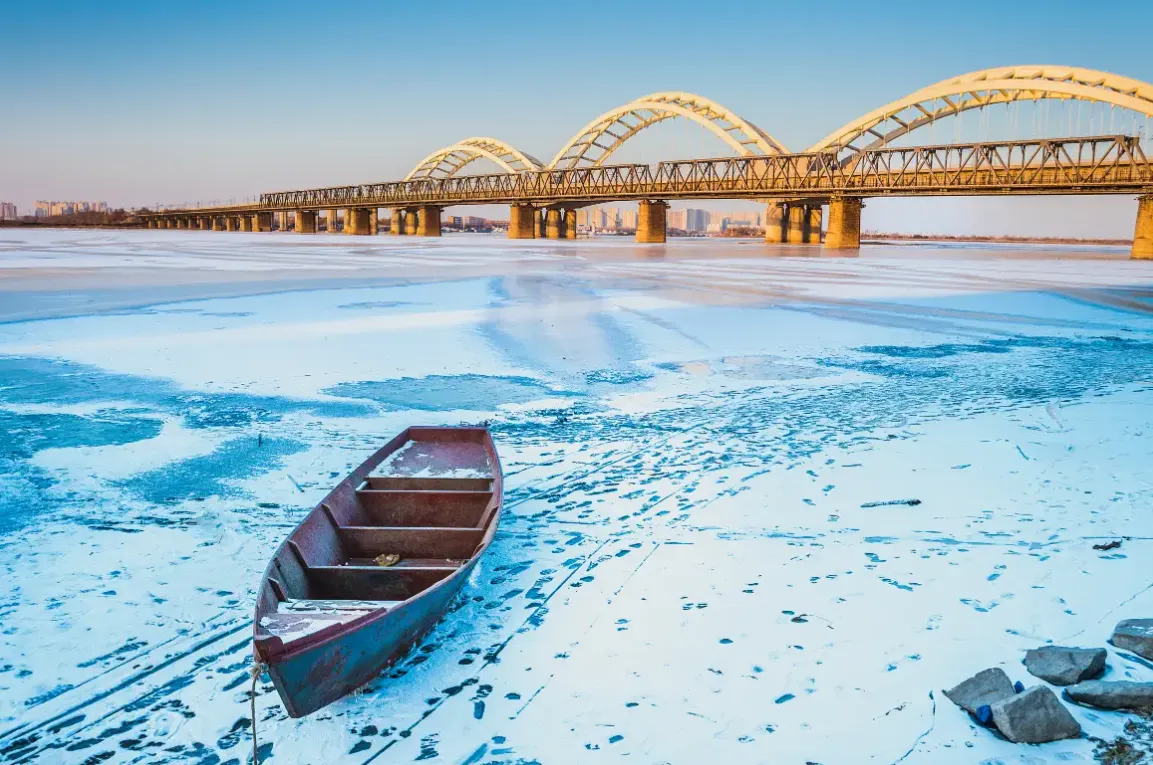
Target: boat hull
321,674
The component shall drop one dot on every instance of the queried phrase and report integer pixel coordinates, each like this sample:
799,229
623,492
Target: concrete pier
373,223
231,223
306,221
797,220
775,222
522,222
262,222
428,221
570,224
552,224
204,224
356,221
217,224
844,223
813,217
652,216
1143,231
331,223
282,221
396,223
539,222
410,222
246,222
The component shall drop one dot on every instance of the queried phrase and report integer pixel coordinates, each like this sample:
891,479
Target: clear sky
145,102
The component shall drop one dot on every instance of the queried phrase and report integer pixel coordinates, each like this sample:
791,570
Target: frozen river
692,565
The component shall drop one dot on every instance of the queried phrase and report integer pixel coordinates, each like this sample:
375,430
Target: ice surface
684,571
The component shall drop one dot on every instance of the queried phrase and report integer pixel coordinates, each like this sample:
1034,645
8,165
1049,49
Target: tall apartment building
42,209
696,220
610,217
629,220
677,219
7,211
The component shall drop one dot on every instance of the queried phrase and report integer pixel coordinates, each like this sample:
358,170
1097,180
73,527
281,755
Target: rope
255,671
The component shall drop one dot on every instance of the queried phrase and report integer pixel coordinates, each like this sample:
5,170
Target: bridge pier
522,222
553,223
262,222
373,222
356,221
245,222
1143,231
570,224
775,221
217,223
396,223
813,224
428,221
652,218
331,222
151,223
797,220
305,222
844,223
231,223
203,223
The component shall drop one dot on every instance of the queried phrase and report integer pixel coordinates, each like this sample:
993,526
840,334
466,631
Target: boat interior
384,535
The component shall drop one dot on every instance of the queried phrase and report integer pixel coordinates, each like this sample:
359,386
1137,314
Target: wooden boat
376,563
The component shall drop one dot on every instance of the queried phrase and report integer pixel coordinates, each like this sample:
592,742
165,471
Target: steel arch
983,88
447,162
588,148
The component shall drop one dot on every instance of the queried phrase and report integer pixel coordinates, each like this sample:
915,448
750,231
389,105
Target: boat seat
407,563
418,542
374,582
299,617
402,507
408,483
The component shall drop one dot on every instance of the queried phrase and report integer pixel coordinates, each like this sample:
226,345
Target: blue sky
138,102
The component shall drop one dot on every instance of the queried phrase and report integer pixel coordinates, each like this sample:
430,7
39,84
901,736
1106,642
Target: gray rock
985,687
1064,666
1135,635
1116,694
1034,716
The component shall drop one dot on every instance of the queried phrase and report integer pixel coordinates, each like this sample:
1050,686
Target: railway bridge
862,159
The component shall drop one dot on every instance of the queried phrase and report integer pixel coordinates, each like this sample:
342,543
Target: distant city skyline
157,126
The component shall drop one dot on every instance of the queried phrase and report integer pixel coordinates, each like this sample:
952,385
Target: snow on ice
702,558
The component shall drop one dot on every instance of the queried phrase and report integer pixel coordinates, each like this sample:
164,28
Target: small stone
1135,635
1064,666
1115,694
985,687
1034,717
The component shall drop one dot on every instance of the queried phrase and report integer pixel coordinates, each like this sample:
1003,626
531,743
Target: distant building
42,209
677,219
696,220
628,220
474,222
7,211
610,218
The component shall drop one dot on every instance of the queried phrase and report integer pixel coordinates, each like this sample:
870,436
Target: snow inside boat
376,563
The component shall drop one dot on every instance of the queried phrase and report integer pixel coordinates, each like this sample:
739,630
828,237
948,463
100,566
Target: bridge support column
330,222
797,220
203,224
396,223
152,223
410,222
231,223
245,222
282,221
373,222
356,221
1143,232
262,222
428,221
775,222
217,223
541,221
844,224
552,224
570,224
813,217
522,222
651,221
305,222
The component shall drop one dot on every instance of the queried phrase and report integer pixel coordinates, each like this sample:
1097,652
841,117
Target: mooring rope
255,671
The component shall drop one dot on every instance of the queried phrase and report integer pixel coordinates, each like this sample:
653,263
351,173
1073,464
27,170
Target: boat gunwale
280,650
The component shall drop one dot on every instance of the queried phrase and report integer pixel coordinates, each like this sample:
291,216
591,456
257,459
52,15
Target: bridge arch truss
447,162
977,90
597,141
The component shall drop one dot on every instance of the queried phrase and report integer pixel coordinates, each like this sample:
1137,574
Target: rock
1034,717
1116,694
985,687
1064,666
1135,635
